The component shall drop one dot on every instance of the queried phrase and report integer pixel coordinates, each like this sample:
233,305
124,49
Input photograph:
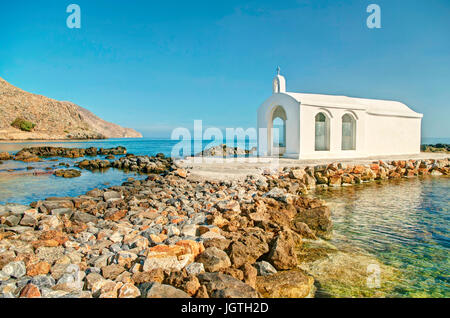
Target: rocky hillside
52,119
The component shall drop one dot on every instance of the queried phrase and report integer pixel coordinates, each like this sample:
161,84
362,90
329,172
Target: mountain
51,119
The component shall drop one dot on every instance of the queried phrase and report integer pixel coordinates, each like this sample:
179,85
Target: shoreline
184,233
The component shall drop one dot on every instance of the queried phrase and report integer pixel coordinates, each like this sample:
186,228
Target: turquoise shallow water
403,223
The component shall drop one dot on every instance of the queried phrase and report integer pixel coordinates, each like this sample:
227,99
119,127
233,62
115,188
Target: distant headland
27,116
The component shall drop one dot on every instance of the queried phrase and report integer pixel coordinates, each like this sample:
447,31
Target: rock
303,229
12,220
282,251
84,217
195,268
264,268
279,195
221,285
4,277
287,284
248,249
183,281
128,290
30,291
335,181
112,271
115,214
189,230
67,173
318,219
181,173
158,290
214,259
108,195
156,275
250,274
28,220
49,254
15,269
221,244
43,281
40,268
95,193
297,174
5,156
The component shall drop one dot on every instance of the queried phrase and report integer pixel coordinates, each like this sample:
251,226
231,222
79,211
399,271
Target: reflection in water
404,223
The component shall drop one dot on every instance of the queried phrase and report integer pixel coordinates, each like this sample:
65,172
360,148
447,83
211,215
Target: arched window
322,132
348,132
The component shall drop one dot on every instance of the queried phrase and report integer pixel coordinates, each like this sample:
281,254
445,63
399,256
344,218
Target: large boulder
221,285
282,251
214,259
158,290
287,284
249,247
318,219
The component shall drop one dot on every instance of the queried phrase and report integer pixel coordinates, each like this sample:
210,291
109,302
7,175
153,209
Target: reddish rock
30,291
115,215
282,251
41,268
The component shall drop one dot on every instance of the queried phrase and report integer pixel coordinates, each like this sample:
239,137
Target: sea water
404,224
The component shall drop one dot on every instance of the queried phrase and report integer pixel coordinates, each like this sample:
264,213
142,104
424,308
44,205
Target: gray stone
84,217
12,220
15,269
16,209
108,195
195,268
43,281
3,276
264,268
189,230
63,212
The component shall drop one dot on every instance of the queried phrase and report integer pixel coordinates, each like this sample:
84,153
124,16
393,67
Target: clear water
19,185
403,223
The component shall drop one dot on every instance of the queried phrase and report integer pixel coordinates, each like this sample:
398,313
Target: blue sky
157,65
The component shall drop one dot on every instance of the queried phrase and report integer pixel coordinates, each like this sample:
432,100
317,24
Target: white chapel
313,126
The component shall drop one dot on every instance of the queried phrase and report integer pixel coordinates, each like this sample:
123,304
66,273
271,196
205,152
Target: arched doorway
322,132
278,131
348,132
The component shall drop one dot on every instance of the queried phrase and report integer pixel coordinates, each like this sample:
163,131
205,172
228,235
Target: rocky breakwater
341,174
144,164
225,151
166,236
68,152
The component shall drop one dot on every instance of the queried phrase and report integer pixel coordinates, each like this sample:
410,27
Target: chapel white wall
392,135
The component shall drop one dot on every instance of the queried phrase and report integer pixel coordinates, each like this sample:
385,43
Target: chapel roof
372,106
